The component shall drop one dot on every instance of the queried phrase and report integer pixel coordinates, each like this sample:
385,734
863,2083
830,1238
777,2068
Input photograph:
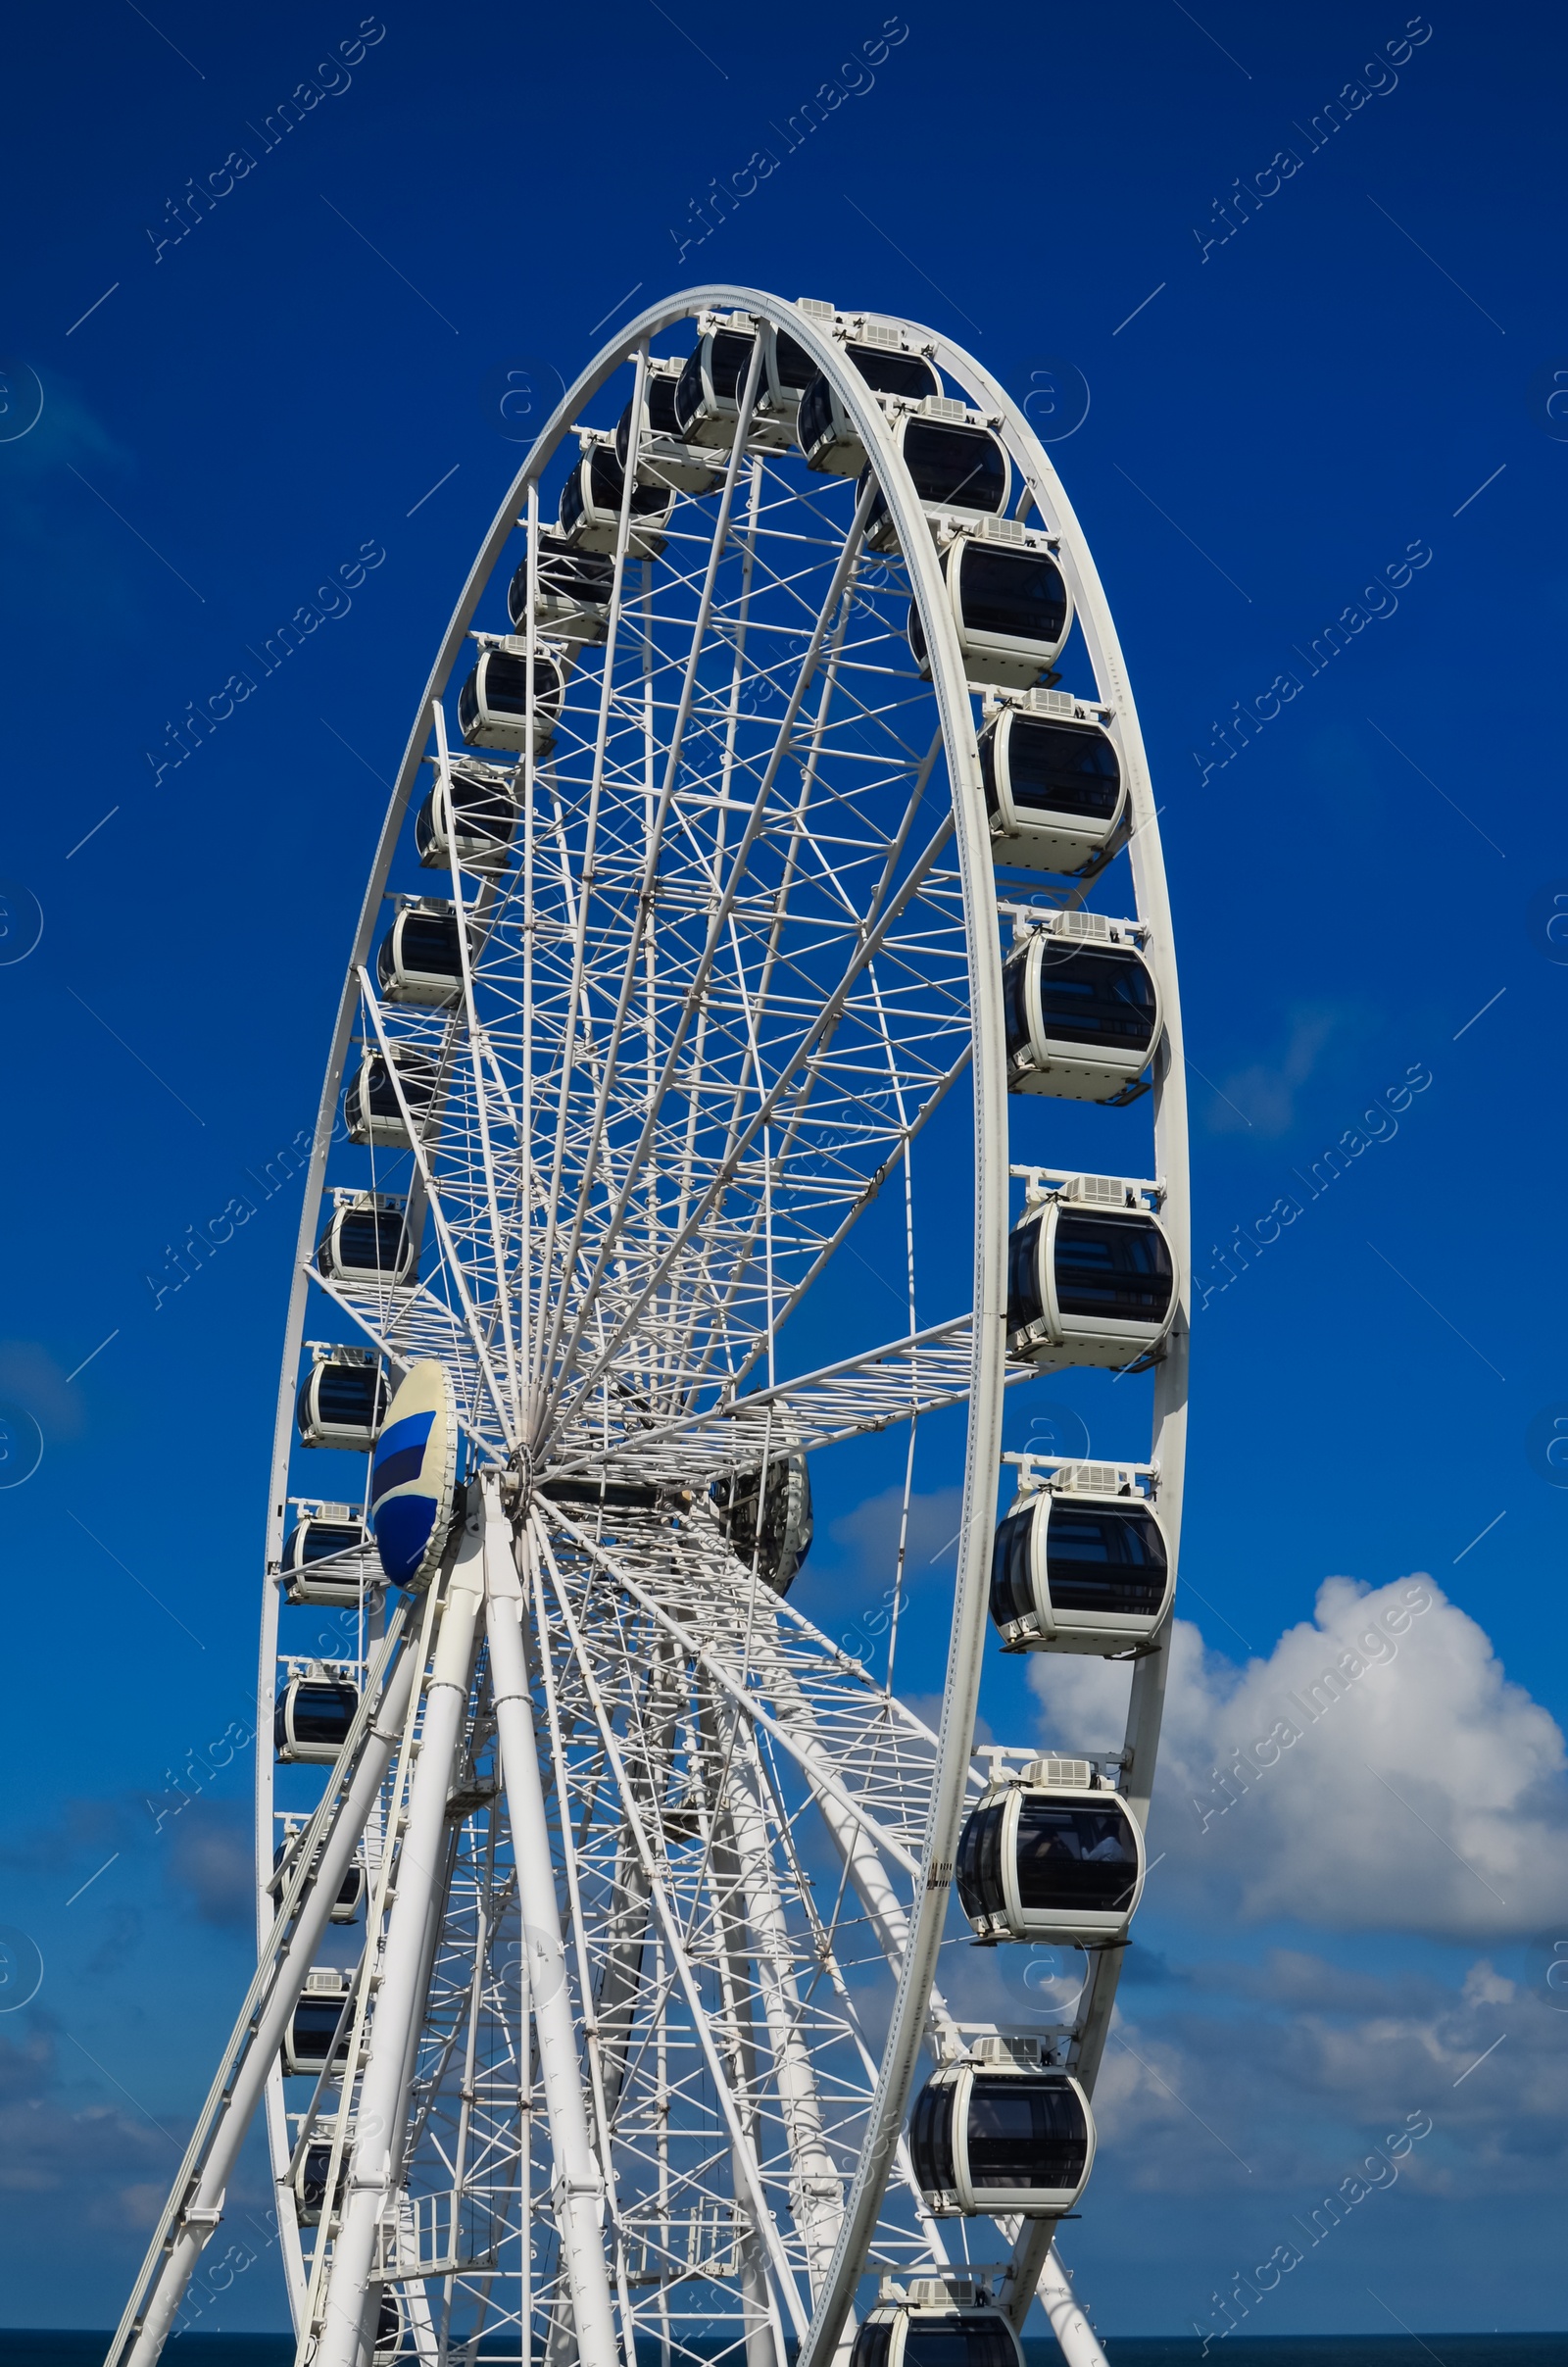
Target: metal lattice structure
648,1876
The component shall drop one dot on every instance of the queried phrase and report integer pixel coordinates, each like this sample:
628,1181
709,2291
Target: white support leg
819,2197
578,2194
376,2162
204,2210
1072,2330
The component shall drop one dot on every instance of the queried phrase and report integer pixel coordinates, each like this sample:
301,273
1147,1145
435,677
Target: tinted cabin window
430,945
895,373
324,1537
957,2341
315,2021
347,1396
505,692
371,1241
1096,998
979,1867
379,1095
468,706
1012,1588
1117,1267
1023,2132
689,392
606,480
1056,768
1023,1275
962,465
572,505
1104,1561
322,1713
931,2141
483,807
729,360
567,573
816,414
1075,1857
1018,595
317,2162
793,367
872,2342
662,405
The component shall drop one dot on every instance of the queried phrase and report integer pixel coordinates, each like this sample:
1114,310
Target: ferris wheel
776,790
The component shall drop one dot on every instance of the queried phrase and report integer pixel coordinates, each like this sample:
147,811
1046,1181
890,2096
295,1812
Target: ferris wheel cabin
313,1717
494,711
663,458
591,501
420,961
891,364
342,1399
368,1240
940,2324
324,1558
311,2179
1080,1564
370,1105
318,2031
1050,1856
1054,794
351,1892
1081,1007
1090,1278
575,591
768,1516
999,2133
1010,604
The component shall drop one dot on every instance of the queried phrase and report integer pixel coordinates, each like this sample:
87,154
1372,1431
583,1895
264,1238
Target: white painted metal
579,2188
376,2164
656,1855
328,1844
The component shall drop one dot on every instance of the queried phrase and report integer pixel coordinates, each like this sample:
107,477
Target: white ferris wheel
601,1893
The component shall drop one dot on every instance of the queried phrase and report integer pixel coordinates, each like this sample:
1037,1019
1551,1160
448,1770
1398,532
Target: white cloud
1302,2068
1378,1771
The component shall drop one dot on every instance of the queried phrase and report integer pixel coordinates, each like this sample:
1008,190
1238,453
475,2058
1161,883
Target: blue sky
1341,401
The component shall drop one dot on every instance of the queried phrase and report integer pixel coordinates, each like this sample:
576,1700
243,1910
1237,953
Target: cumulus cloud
1377,1771
1307,2063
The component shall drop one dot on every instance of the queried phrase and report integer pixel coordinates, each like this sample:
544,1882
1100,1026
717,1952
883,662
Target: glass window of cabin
1012,1590
1060,767
1116,1267
1094,997
792,364
961,466
816,414
1023,1275
895,373
1072,1857
1104,1559
1026,2133
1014,595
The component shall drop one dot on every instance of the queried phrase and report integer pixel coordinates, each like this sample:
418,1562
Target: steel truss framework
657,1874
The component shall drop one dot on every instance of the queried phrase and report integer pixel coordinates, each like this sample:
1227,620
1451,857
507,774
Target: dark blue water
23,2347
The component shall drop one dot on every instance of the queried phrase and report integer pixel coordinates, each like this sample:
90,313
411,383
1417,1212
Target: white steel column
376,2166
204,2210
578,2189
1072,2330
819,2185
